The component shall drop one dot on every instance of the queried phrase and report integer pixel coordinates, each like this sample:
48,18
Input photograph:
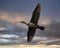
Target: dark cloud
12,28
51,30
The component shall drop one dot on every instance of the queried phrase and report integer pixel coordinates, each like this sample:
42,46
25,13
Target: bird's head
22,22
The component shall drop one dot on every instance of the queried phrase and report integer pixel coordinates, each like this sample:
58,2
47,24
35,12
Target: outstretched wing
36,14
34,19
30,34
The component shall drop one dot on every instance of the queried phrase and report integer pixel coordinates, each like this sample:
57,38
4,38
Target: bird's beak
21,21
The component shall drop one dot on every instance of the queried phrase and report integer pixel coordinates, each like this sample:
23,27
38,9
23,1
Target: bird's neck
26,23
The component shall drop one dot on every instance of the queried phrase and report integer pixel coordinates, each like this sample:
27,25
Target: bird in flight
33,24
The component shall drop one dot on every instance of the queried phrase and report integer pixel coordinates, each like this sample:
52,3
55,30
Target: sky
14,11
49,7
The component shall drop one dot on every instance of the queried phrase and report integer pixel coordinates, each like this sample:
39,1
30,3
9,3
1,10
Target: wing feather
34,19
30,34
36,14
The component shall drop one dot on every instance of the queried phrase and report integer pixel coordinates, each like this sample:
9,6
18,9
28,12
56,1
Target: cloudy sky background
14,11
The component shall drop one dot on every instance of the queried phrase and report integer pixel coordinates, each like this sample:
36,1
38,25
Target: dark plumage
33,23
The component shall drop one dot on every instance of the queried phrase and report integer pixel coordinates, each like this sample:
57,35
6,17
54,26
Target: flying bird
33,24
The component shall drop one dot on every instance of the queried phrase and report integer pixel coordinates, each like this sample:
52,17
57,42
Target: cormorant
32,25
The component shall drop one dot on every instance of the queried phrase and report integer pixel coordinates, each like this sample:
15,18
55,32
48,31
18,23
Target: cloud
11,23
51,30
12,19
3,28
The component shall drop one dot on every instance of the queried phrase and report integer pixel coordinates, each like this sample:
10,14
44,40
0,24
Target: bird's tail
41,27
